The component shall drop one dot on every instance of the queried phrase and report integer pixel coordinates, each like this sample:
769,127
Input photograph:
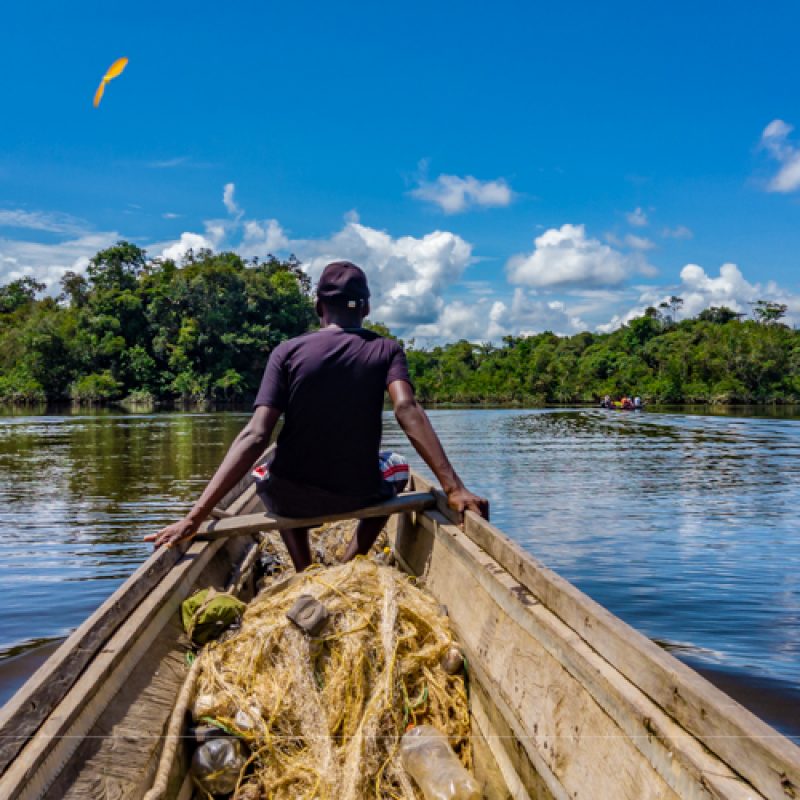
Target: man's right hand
177,532
462,499
416,425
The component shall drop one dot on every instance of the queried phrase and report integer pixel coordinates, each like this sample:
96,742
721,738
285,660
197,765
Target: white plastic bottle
428,758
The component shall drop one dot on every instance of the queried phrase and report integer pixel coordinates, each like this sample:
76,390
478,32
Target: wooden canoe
567,701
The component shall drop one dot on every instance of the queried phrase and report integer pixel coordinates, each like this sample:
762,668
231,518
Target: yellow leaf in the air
116,69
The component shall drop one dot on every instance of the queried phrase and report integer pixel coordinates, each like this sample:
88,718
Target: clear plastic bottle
216,765
428,758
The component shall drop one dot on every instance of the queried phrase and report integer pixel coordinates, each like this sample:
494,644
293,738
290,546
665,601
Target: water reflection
77,493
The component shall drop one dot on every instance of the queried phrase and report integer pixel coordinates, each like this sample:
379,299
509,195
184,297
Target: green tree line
151,330
716,357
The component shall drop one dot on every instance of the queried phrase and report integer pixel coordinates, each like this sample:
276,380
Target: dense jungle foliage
704,360
149,330
146,330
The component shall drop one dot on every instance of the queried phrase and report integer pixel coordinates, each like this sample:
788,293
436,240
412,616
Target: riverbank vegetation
715,358
144,331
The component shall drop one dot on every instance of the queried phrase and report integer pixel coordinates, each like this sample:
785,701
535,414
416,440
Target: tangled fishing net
323,716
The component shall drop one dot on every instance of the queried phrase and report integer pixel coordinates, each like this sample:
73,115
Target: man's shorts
394,468
286,498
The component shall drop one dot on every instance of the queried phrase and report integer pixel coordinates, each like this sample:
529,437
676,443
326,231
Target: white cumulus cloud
730,288
261,238
699,291
530,314
454,194
457,320
188,241
407,275
48,262
775,139
488,320
565,257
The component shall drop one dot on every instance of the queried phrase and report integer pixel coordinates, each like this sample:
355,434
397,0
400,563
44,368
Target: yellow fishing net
323,716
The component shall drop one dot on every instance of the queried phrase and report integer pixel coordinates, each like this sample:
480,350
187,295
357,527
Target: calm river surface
686,526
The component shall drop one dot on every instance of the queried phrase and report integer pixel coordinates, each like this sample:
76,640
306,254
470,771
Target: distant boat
616,405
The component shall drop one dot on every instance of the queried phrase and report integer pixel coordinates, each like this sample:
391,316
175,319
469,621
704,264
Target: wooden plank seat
257,523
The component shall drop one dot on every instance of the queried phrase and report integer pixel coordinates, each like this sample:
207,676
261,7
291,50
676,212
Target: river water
684,525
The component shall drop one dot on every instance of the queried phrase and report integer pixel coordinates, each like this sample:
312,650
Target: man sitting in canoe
329,385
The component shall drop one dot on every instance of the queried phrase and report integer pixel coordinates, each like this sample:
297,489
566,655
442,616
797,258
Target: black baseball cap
342,280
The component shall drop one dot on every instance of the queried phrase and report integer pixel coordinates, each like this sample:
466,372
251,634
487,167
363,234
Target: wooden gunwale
26,710
760,755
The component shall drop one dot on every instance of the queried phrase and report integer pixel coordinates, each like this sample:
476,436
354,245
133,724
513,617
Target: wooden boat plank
31,705
564,729
27,709
770,762
681,761
58,737
257,523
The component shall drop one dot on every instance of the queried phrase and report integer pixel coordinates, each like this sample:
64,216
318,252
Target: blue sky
497,169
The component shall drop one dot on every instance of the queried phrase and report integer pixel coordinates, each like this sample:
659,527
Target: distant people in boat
329,385
624,404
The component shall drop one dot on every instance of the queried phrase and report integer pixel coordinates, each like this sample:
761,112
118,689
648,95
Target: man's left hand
179,531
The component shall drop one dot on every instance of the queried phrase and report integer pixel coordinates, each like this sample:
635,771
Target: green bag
207,613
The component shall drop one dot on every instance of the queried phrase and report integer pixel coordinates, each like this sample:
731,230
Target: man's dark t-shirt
330,385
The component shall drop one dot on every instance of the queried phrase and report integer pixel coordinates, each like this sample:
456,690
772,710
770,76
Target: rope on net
323,716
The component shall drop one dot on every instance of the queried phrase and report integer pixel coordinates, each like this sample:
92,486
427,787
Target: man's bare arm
415,423
242,454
